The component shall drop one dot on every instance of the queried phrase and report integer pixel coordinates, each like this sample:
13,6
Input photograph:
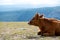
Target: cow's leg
45,34
41,28
49,33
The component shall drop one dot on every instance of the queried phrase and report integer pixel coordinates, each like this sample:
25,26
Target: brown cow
48,26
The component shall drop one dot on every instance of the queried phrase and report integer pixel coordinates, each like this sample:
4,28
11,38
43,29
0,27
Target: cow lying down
48,26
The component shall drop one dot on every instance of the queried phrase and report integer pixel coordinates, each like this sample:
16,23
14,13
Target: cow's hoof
39,33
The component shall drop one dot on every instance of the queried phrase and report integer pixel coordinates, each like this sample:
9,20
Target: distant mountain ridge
27,14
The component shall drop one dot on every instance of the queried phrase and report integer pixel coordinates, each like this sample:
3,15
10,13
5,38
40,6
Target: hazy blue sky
31,2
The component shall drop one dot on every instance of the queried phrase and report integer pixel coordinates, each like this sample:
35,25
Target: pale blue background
24,10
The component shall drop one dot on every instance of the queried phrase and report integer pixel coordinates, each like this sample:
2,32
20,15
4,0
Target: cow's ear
37,15
41,16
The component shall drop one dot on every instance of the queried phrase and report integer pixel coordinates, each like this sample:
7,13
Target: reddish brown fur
48,26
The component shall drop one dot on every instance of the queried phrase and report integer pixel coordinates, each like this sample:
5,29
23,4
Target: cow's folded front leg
48,34
45,34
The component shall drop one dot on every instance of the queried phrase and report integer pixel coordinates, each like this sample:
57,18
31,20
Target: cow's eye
33,18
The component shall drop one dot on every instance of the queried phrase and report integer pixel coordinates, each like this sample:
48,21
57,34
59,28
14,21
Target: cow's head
35,20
